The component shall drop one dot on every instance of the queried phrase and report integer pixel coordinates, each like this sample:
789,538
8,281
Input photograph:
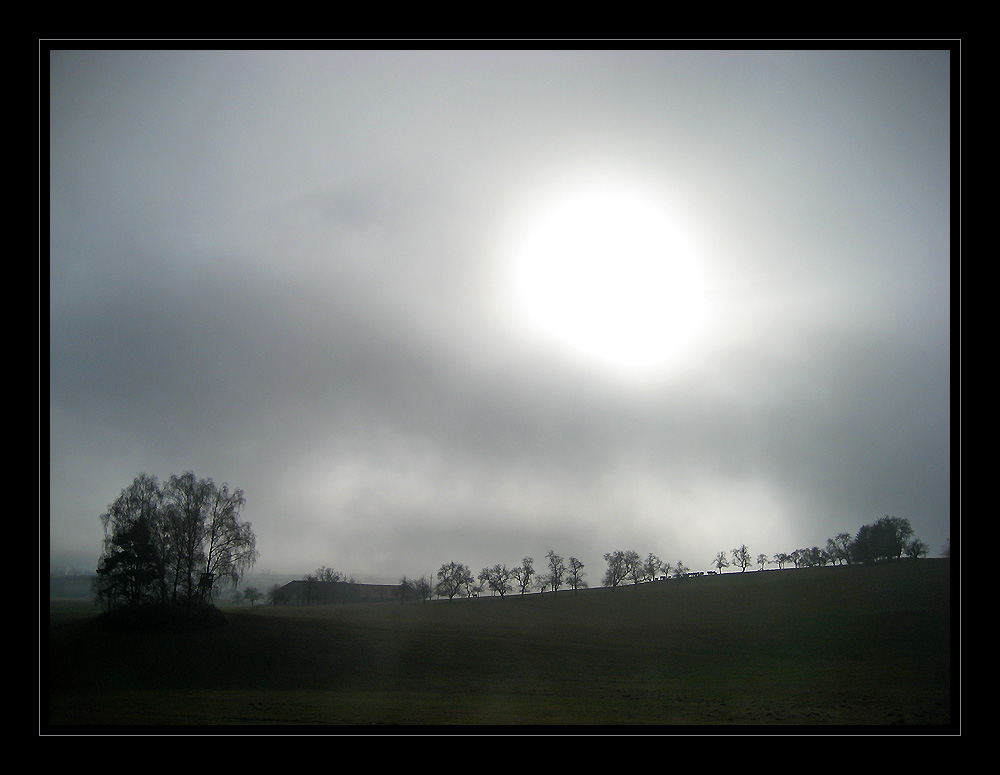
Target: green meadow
829,647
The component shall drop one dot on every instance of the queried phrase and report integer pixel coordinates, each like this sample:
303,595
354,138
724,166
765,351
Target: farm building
302,592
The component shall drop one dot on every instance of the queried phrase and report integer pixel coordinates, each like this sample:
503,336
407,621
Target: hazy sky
297,273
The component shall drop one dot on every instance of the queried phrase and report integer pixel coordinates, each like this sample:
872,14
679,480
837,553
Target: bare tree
557,570
453,579
617,571
186,500
721,561
575,574
230,545
741,557
414,589
423,588
633,567
406,590
497,579
523,574
329,574
651,567
839,548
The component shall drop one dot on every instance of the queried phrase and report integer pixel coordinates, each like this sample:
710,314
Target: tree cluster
454,578
889,538
415,589
323,573
629,565
497,578
172,543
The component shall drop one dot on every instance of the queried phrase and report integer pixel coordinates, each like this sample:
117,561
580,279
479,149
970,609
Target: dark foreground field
844,646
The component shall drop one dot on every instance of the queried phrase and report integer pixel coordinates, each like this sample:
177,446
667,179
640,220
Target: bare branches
172,543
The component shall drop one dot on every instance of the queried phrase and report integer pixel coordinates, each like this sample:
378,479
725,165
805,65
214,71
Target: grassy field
841,646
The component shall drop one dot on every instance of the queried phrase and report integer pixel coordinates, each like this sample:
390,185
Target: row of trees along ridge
889,538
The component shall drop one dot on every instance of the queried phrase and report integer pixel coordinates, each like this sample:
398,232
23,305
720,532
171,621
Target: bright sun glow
606,274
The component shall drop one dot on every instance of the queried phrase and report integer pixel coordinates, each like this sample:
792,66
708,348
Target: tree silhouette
575,574
497,579
651,567
523,574
633,567
839,548
130,572
172,543
453,578
885,539
252,594
617,569
557,570
741,557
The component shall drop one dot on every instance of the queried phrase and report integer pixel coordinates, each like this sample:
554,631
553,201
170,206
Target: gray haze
289,271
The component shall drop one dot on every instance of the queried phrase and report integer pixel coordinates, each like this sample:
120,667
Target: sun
607,275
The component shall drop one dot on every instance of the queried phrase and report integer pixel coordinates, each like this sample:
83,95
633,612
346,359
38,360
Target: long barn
302,592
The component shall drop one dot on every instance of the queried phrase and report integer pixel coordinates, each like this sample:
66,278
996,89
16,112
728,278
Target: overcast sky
294,272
